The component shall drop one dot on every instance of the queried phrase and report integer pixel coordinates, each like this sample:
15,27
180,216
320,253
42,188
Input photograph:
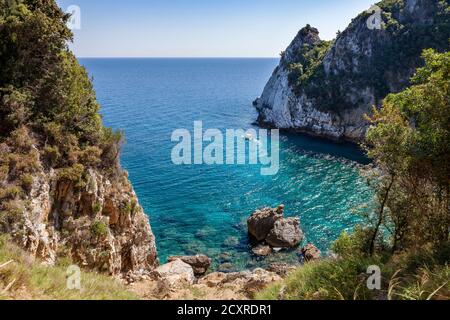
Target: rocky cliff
96,220
325,88
62,190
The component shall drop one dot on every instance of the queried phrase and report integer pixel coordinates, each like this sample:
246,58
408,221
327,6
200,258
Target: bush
11,193
27,182
52,155
96,208
99,229
74,173
340,279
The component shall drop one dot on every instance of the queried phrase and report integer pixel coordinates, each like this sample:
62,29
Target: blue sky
203,28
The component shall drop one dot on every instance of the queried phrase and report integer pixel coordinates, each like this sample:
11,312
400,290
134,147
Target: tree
409,141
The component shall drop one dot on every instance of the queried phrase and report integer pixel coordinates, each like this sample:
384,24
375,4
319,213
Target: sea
203,209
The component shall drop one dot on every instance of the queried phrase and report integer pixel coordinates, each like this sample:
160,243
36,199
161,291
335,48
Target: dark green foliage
48,110
43,88
410,143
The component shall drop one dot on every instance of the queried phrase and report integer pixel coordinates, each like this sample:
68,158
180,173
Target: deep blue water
203,209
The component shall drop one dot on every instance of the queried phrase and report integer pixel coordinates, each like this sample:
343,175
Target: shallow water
203,209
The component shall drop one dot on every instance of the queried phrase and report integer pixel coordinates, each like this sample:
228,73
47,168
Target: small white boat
249,137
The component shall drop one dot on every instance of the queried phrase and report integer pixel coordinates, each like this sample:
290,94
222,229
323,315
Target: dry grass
23,278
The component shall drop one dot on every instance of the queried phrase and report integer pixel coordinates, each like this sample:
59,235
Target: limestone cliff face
98,224
330,96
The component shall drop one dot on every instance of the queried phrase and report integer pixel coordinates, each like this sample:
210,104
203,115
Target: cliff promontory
325,88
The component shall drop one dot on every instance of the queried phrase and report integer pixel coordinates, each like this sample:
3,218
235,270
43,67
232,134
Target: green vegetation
99,229
408,276
23,278
48,106
408,234
410,142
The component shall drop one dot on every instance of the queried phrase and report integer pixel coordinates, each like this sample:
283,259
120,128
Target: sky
203,28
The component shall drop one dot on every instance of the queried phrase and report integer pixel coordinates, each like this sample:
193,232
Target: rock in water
286,233
262,221
310,253
262,251
199,263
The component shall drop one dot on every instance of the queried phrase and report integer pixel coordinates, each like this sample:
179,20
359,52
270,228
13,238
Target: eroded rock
175,273
310,253
262,221
262,251
199,263
286,233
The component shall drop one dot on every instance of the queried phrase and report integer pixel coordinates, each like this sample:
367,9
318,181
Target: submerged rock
262,221
199,263
286,233
262,251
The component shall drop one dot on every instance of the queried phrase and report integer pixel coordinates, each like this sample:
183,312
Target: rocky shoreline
187,277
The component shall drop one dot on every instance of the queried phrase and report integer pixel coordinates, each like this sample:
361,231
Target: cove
202,208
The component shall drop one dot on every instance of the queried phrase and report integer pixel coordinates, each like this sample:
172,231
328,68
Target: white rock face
176,272
345,92
280,107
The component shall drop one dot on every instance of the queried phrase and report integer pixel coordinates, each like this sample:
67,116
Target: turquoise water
203,209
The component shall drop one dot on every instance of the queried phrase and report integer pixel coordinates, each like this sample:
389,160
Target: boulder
262,221
285,233
176,273
281,269
310,253
199,263
262,251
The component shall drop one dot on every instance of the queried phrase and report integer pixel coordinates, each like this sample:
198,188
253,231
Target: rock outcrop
325,88
262,221
286,233
99,224
269,225
199,263
310,253
175,272
262,251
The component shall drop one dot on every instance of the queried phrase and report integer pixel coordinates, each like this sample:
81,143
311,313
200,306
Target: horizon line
187,57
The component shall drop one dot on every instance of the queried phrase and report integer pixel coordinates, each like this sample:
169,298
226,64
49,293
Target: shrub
11,193
99,229
324,280
96,208
52,155
74,173
91,156
27,182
